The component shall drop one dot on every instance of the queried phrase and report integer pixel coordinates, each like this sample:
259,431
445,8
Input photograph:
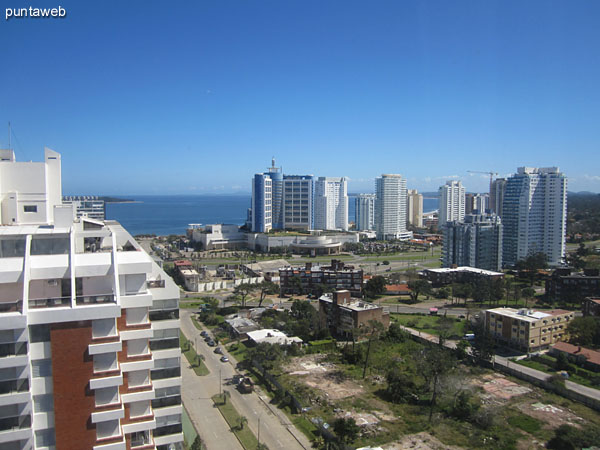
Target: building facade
564,285
89,205
331,203
342,314
365,212
527,330
447,275
497,195
390,207
451,202
476,242
311,279
414,208
89,326
534,215
298,202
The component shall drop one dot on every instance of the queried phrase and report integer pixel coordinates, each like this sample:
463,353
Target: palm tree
242,420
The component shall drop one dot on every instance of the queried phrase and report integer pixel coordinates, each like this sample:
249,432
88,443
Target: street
276,431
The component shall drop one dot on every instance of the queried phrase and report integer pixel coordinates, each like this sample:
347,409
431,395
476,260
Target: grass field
430,324
232,417
188,350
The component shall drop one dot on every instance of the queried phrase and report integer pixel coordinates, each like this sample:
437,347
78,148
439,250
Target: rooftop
464,269
591,355
528,315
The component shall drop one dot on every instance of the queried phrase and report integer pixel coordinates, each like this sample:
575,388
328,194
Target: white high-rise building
89,325
534,215
331,203
414,205
451,202
390,207
365,212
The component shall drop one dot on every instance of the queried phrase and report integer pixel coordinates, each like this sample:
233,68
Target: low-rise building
341,313
397,289
591,306
241,326
269,270
585,357
272,336
312,278
567,286
527,330
447,275
219,236
188,274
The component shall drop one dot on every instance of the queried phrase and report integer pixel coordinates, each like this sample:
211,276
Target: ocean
171,214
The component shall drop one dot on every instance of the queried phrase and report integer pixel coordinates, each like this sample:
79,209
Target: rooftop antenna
9,135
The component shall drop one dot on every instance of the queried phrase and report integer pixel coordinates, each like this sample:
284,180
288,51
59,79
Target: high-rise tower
534,215
331,203
390,207
451,202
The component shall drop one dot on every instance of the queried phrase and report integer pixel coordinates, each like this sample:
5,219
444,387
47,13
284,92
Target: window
107,429
107,396
104,328
30,208
105,361
45,438
43,403
41,368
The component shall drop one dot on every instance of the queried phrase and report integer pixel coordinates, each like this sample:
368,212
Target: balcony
169,429
95,299
13,349
8,307
153,284
49,302
171,314
11,386
164,344
163,402
140,439
160,374
15,423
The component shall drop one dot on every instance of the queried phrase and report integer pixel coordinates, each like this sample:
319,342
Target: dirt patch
419,441
498,386
324,376
551,415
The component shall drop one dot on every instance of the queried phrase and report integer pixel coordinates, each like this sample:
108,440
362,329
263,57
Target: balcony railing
10,386
17,422
166,401
164,314
95,299
49,302
13,349
8,307
140,438
166,430
163,344
159,374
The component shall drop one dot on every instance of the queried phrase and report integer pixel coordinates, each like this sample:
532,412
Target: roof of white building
465,269
528,315
272,336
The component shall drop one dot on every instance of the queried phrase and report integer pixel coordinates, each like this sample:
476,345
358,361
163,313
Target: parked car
224,358
211,343
203,333
219,350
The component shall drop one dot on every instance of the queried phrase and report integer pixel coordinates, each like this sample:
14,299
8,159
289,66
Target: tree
567,437
346,429
242,420
375,286
444,329
401,385
197,445
528,293
482,347
584,331
242,291
372,330
462,291
419,287
481,290
532,264
435,363
265,288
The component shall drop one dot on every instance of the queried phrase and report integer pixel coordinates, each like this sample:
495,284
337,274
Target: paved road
276,431
213,428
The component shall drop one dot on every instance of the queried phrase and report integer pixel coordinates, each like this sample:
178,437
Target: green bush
525,423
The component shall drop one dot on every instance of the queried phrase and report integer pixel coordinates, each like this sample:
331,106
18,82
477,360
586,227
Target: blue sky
195,97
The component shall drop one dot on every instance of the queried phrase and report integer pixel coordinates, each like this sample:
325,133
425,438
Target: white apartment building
390,207
331,203
365,212
451,202
414,205
534,215
89,327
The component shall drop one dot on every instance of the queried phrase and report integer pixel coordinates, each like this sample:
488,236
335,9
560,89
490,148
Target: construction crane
491,174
